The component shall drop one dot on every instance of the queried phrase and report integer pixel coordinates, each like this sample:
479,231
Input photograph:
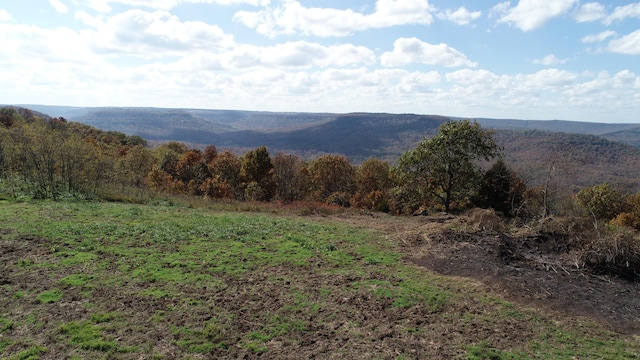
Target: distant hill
576,159
584,153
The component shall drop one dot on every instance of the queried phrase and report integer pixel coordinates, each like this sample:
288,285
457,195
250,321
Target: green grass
49,296
114,280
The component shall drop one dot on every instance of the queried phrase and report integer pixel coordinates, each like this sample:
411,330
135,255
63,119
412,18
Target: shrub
626,219
616,252
602,201
485,219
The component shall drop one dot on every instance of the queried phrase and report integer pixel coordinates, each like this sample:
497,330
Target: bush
485,219
617,252
602,201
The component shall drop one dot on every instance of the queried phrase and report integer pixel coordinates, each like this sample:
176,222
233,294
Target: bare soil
540,271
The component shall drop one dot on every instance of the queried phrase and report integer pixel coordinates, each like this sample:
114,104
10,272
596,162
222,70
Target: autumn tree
210,153
332,178
135,165
8,116
167,156
630,214
446,167
372,183
192,170
225,177
291,177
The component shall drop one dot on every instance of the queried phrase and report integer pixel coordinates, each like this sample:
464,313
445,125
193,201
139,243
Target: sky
526,59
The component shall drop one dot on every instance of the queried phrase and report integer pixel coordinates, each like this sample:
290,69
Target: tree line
458,168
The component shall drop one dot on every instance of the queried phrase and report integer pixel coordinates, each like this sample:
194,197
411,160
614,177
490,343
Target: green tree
446,167
257,170
602,201
500,189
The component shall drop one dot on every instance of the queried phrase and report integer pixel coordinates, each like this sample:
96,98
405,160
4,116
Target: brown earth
540,270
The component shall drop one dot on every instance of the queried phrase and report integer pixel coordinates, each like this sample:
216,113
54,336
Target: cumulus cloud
590,12
52,45
292,17
461,16
298,54
550,60
628,44
529,15
155,34
59,6
622,12
598,37
5,16
412,50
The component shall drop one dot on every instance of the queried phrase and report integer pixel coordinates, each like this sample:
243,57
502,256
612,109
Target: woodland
535,237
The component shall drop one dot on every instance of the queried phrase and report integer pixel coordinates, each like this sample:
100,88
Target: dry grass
484,219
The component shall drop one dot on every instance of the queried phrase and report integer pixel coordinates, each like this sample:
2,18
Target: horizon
308,112
525,59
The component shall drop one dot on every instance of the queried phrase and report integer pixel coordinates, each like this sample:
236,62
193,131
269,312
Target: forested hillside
578,160
456,166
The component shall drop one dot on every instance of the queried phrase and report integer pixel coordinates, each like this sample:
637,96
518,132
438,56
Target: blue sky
527,59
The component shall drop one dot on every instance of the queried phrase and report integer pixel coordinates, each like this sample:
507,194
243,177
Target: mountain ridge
595,152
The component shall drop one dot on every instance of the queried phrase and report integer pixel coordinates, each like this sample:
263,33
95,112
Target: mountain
580,153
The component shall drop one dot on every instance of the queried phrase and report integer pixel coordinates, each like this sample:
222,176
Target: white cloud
5,16
550,60
549,79
156,34
628,44
103,5
590,12
87,19
412,50
58,45
623,12
59,6
499,9
292,18
598,37
461,16
529,15
298,54
606,92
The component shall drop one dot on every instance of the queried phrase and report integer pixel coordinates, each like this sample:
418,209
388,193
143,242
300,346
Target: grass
128,281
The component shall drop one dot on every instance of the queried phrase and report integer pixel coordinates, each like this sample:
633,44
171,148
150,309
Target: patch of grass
89,335
200,341
555,342
76,280
49,296
32,353
3,345
103,317
5,325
